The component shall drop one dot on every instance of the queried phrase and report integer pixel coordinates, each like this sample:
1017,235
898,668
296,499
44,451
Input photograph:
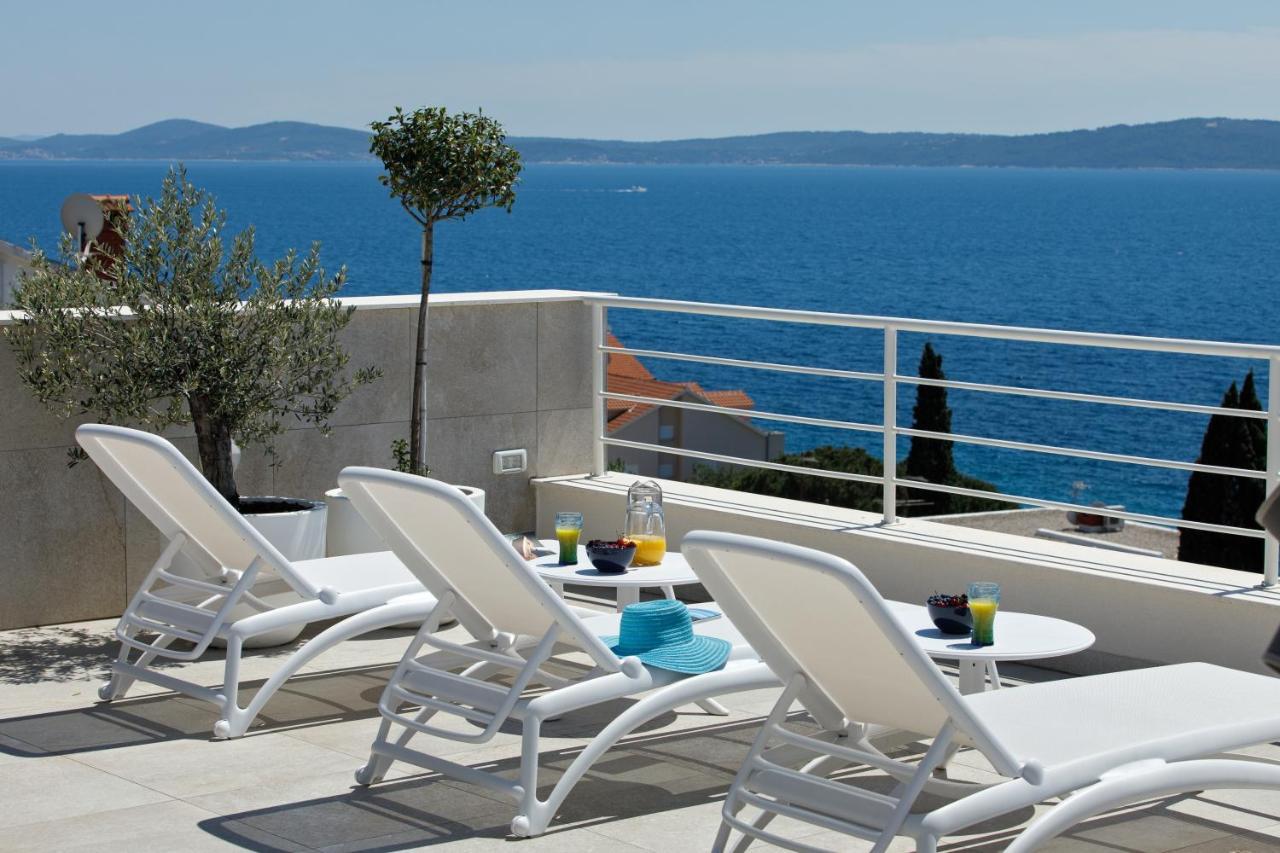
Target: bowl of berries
950,613
611,557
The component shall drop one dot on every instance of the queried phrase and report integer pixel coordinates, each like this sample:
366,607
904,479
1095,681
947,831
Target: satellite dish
82,218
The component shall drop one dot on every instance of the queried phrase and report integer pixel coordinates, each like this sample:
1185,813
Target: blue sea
1167,253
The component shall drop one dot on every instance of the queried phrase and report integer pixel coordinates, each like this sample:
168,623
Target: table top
672,571
1019,636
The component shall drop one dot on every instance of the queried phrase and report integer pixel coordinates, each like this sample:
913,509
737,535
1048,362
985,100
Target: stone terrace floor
143,774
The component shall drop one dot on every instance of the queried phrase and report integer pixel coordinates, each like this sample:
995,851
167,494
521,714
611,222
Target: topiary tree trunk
439,166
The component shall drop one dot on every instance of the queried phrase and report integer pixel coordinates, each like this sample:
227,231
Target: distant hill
180,139
1192,143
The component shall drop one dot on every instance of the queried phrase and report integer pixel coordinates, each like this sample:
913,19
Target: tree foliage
180,327
440,166
931,459
1231,442
445,166
826,490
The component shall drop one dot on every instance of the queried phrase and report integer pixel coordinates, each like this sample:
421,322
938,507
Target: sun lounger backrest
176,498
810,613
450,546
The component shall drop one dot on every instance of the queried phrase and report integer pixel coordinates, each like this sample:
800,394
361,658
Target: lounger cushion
1165,712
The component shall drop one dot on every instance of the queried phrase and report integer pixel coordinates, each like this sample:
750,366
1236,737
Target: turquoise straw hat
660,633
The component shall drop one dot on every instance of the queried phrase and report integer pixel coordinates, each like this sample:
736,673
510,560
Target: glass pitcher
645,524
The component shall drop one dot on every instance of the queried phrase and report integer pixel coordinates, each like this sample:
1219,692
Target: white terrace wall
508,370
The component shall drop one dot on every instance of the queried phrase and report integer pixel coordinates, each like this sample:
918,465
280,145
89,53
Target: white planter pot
349,533
298,535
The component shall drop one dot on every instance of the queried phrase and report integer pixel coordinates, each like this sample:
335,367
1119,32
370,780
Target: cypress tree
930,458
1231,442
1257,426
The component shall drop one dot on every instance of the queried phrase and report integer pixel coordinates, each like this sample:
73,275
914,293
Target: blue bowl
951,620
610,559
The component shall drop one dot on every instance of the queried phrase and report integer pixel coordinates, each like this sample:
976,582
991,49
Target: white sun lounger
518,624
1099,742
237,571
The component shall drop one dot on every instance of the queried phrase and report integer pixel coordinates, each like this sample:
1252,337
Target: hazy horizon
675,71
35,138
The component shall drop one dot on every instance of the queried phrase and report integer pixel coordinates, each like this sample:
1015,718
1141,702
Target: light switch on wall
510,461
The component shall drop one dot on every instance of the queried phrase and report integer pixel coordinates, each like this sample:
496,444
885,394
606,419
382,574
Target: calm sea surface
1184,254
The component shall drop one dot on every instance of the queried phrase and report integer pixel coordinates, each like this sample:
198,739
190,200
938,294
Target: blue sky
651,70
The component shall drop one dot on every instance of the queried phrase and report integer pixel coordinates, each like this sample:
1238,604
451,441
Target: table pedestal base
974,675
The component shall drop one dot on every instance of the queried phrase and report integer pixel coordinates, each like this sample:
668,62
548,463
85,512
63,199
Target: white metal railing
890,379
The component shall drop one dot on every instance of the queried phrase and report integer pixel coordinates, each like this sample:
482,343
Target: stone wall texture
506,371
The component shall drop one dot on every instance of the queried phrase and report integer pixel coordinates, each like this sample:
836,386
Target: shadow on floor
646,775
653,775
306,700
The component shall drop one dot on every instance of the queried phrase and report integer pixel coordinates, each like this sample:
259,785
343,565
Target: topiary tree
177,327
440,166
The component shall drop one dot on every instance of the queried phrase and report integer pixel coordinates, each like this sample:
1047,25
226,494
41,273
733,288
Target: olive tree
181,327
440,166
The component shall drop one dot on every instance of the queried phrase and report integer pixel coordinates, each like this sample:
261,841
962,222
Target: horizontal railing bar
1107,512
940,327
1078,453
1166,405
738,460
753,365
748,413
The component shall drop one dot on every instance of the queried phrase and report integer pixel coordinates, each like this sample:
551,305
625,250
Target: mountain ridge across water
1189,143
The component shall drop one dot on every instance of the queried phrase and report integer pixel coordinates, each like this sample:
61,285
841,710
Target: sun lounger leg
1145,781
226,727
534,818
119,683
386,616
377,765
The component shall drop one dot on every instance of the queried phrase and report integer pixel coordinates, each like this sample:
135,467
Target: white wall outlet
510,461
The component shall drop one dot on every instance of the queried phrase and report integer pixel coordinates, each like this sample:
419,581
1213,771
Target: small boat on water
634,188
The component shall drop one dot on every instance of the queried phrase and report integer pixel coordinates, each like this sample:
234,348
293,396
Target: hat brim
699,655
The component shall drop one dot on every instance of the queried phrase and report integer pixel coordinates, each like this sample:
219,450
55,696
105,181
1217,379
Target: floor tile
166,826
46,789
413,812
190,768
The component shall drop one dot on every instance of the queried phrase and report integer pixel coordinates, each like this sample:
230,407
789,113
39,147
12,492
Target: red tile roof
625,374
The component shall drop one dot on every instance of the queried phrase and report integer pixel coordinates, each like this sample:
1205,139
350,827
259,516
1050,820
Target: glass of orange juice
984,600
650,548
568,530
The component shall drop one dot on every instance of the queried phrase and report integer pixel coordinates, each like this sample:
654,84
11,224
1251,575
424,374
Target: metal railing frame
890,379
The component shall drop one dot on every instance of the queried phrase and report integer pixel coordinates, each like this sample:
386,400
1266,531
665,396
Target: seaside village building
713,432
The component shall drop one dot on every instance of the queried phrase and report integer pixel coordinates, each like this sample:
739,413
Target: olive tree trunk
213,442
418,423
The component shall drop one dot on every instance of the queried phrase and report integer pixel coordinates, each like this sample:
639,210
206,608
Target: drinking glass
568,529
984,600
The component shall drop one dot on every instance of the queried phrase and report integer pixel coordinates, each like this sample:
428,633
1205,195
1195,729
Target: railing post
1271,552
890,450
598,380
